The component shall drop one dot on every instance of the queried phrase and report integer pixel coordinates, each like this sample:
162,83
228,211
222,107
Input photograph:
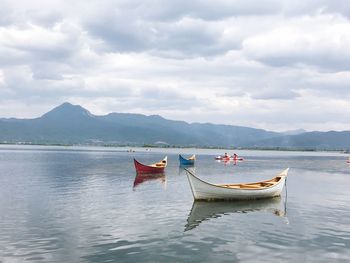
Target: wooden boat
203,211
151,168
187,161
202,190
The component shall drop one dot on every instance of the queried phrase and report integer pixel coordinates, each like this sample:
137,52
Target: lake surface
80,204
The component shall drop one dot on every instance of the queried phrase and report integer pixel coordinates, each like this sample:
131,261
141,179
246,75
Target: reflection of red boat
152,168
141,178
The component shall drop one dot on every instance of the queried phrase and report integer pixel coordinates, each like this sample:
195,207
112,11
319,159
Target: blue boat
188,161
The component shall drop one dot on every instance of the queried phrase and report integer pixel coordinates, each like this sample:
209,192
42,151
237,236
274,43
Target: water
78,204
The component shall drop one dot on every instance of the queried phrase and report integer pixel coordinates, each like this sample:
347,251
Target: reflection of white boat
202,190
202,211
183,169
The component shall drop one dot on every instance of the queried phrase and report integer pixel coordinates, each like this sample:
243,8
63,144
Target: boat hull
184,161
202,190
146,169
222,158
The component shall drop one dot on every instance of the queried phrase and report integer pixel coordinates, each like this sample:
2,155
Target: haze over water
80,204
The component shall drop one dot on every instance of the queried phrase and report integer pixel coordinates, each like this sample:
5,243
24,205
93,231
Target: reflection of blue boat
188,161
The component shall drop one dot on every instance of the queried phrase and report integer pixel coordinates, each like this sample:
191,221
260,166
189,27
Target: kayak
229,158
222,158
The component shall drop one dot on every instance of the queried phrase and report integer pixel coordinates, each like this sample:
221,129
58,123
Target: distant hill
72,124
331,140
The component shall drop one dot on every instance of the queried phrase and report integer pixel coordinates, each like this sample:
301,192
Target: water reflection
141,178
230,162
182,169
183,166
202,211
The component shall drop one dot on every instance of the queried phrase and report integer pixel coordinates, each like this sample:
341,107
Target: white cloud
317,41
272,64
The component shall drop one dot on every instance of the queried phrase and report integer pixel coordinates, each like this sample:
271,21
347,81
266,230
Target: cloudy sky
272,64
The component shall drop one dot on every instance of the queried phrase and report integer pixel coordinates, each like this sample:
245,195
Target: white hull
205,191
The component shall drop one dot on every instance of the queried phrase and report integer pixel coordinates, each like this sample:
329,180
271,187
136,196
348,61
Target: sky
272,64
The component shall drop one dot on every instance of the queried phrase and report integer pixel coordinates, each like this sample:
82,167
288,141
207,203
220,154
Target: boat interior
258,185
193,157
160,164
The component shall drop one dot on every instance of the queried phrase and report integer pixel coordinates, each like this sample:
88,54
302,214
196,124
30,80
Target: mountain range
72,124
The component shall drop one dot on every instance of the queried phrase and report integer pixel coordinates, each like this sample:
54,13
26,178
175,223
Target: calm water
84,205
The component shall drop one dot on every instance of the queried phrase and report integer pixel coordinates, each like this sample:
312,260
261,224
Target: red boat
228,158
151,168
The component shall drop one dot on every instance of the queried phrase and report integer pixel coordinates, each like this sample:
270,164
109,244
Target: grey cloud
328,6
329,62
137,27
46,71
192,39
22,83
31,43
146,26
269,93
10,56
158,10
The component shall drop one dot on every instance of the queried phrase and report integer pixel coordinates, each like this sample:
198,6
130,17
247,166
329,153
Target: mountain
331,140
72,124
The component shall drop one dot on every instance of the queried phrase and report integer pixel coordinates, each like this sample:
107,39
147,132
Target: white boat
202,190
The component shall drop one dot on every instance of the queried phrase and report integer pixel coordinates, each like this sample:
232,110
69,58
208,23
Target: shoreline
148,146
